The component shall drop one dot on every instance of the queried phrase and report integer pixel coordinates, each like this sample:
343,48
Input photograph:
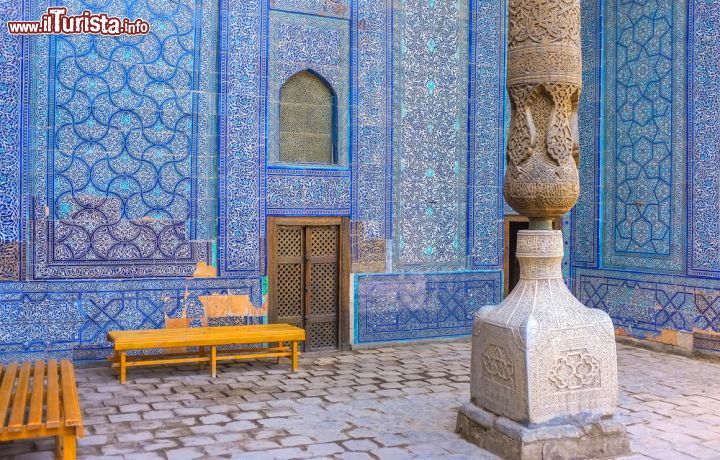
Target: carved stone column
544,366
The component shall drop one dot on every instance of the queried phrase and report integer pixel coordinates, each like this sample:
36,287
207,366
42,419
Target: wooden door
321,316
290,286
306,262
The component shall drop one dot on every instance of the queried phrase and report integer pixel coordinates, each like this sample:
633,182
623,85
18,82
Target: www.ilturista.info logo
56,21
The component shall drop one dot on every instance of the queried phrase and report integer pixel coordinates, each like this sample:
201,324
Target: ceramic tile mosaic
322,45
430,128
75,317
486,120
11,56
299,42
704,139
308,192
120,147
241,184
371,132
334,8
584,214
645,123
420,306
646,50
646,304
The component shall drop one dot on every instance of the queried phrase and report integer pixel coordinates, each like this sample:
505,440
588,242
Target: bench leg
202,355
58,447
66,446
69,446
213,361
115,369
123,361
279,344
294,356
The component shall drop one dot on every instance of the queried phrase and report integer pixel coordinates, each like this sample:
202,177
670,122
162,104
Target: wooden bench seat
41,400
202,338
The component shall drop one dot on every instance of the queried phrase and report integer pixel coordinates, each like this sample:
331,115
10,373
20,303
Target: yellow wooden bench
201,338
39,402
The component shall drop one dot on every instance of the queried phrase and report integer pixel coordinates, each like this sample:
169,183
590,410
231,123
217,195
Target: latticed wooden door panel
307,284
290,275
321,296
323,242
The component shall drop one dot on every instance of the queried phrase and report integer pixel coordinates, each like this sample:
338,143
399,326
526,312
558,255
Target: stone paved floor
387,403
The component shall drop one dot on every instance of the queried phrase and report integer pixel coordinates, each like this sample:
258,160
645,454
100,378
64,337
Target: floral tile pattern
430,149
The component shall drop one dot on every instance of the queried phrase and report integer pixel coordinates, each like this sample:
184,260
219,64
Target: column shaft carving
544,80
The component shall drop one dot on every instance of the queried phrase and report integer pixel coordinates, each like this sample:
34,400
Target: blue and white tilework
121,146
300,42
645,304
420,306
72,319
333,8
111,199
11,67
308,192
322,45
242,139
584,214
104,215
430,128
660,198
486,140
704,141
645,135
372,128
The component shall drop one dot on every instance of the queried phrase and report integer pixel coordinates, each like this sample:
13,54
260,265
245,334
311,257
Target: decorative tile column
544,367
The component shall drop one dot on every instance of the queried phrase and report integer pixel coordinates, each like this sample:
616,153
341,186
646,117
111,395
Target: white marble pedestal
544,367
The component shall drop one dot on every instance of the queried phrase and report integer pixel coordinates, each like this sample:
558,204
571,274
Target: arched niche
307,125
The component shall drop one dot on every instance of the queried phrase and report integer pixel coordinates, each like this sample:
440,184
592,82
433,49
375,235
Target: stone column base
574,438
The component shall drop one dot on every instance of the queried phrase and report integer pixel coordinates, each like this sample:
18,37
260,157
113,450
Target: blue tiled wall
645,135
393,307
430,143
137,172
72,319
645,232
446,183
120,146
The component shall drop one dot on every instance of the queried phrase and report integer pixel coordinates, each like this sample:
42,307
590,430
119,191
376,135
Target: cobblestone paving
386,403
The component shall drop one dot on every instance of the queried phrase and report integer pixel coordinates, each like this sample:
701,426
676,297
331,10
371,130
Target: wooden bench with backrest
41,401
205,337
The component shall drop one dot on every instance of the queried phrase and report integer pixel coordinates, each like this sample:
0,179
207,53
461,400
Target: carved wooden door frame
343,270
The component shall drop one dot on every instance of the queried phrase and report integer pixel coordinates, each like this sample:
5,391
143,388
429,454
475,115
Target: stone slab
568,440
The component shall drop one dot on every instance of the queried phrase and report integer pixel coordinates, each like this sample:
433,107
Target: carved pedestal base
542,359
574,438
